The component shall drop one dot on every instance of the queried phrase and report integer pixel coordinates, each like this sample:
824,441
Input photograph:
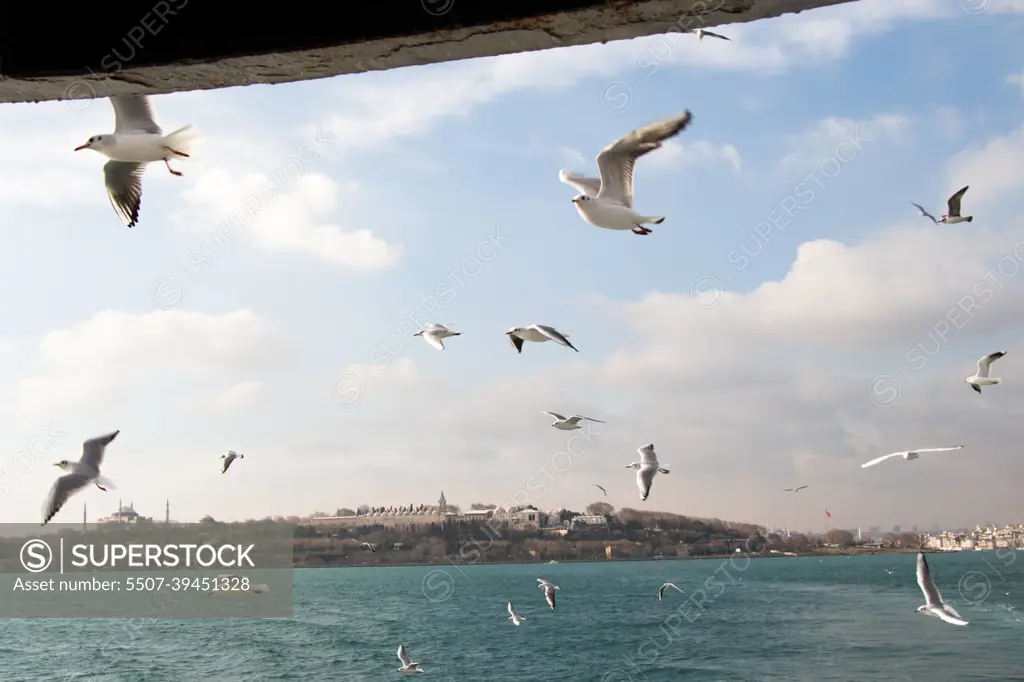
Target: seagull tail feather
969,218
183,139
655,220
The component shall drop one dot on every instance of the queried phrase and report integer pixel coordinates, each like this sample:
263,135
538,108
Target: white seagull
701,33
83,472
537,333
661,590
229,458
513,616
794,490
934,605
136,141
435,334
608,202
646,468
369,546
601,487
408,665
549,591
952,215
981,377
907,455
569,423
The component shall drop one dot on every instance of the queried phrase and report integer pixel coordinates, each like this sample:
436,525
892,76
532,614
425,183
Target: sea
794,619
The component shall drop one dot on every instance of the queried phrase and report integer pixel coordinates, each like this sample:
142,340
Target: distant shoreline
852,551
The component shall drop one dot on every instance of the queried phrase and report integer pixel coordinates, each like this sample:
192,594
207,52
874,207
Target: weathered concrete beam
83,50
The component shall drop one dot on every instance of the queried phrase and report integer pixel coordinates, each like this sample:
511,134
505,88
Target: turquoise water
836,618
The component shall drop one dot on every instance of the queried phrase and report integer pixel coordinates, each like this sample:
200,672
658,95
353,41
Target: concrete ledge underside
84,50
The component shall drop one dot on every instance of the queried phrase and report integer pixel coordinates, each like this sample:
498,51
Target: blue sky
744,391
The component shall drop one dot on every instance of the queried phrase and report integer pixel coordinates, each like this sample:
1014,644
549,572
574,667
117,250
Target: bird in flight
537,333
908,455
934,606
435,334
700,32
369,546
408,665
549,591
661,590
569,423
513,615
601,489
952,215
608,202
646,468
794,490
981,377
230,457
81,473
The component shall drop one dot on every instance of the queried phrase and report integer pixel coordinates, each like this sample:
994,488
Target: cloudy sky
792,318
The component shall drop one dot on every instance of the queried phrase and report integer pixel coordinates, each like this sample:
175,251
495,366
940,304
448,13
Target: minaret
442,505
119,510
84,517
167,511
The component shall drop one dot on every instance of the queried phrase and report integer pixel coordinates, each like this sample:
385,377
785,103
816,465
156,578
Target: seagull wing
92,450
715,35
647,454
876,460
925,582
227,462
555,415
402,656
123,180
134,114
549,596
644,479
955,447
63,488
578,417
554,335
925,213
589,186
602,489
516,342
512,610
616,161
787,490
986,362
944,614
954,202
800,488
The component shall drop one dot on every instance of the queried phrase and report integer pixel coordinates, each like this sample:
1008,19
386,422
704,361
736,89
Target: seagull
925,213
981,377
538,333
408,666
661,590
513,616
601,488
83,472
136,141
229,458
608,202
570,423
701,33
646,468
907,455
435,334
369,546
952,215
934,606
888,572
794,490
549,591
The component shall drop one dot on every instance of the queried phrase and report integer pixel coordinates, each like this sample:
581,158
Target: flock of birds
605,202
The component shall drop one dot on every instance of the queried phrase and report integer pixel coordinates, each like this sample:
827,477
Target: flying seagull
608,202
794,490
408,665
435,334
601,488
369,546
81,473
934,605
952,214
513,616
570,423
907,455
701,33
646,468
136,141
925,213
538,333
229,458
549,591
981,377
661,590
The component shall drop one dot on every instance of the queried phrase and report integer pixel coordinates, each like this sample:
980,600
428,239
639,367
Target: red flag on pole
827,514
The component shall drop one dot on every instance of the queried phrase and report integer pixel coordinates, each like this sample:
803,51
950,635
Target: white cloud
993,170
838,138
674,154
231,399
92,363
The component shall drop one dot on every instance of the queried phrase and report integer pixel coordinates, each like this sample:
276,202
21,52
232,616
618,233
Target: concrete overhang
83,50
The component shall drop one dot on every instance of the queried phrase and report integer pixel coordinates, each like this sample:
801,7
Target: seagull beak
574,200
81,147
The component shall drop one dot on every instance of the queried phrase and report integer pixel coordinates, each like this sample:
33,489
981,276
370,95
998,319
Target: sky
792,318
